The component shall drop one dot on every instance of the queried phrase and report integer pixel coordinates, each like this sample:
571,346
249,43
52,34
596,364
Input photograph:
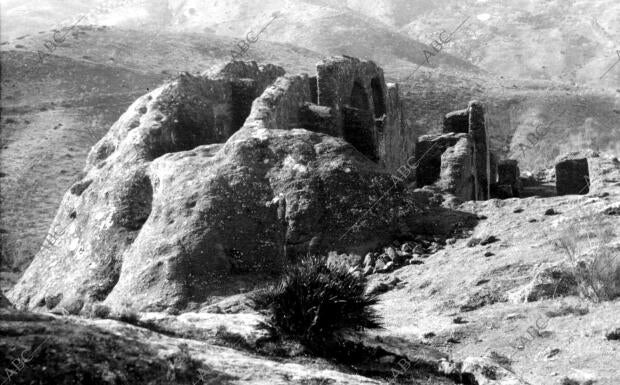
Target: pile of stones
394,256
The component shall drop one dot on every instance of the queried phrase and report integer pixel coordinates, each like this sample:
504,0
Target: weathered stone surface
317,118
456,121
508,175
239,303
428,153
424,356
486,372
502,191
456,175
184,114
166,216
397,144
603,172
360,87
477,130
572,175
207,326
463,171
123,353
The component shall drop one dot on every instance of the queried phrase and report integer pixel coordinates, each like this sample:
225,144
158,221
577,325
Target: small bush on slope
314,300
597,270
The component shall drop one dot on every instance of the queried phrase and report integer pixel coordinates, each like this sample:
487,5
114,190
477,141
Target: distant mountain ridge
317,26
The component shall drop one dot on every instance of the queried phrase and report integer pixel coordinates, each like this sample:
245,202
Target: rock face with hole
178,197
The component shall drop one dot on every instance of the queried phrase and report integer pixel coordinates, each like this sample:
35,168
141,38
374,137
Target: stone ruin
572,174
228,174
509,183
240,171
457,161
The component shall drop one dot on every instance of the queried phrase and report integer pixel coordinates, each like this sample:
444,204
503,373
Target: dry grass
595,264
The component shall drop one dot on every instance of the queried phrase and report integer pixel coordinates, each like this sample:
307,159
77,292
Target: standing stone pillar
477,130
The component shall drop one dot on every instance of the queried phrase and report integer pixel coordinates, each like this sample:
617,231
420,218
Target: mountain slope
572,40
321,28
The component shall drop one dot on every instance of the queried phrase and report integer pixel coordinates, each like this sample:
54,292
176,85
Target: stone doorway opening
378,102
358,122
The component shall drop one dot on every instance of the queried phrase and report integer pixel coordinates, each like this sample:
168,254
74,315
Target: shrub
600,276
597,265
100,311
314,300
126,313
129,316
230,339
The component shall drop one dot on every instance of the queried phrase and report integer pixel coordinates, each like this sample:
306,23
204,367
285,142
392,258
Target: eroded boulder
165,214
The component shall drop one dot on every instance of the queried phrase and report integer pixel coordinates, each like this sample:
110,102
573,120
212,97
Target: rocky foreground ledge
205,348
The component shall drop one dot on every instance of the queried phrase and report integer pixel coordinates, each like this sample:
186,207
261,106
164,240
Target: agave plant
314,300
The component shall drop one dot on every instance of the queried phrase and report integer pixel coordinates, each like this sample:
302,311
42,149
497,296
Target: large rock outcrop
165,213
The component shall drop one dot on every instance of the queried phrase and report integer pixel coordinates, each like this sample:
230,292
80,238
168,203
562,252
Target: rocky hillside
497,304
162,188
68,101
573,41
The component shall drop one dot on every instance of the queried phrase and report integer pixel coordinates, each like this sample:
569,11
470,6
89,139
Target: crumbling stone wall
397,147
428,155
457,161
347,98
572,175
177,211
208,109
456,121
509,183
477,130
457,169
356,92
281,105
317,118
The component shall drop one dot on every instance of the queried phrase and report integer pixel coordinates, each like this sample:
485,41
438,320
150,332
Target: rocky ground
496,302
